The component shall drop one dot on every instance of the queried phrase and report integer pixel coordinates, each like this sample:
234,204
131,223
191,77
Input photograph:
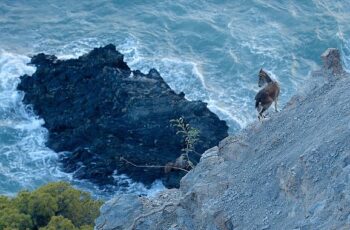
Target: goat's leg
264,108
276,105
261,115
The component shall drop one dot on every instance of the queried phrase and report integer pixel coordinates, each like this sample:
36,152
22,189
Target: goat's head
263,78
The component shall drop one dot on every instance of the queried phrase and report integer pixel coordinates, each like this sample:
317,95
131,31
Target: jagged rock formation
289,172
96,110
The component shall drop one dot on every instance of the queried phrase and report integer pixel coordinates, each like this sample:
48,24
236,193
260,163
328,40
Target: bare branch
151,166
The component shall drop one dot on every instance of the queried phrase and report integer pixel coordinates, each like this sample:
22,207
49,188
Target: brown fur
266,96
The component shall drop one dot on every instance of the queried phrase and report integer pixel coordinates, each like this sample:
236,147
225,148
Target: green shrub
11,218
5,202
53,206
73,204
41,207
59,223
190,137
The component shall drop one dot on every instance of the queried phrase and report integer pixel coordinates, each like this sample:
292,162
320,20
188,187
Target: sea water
210,50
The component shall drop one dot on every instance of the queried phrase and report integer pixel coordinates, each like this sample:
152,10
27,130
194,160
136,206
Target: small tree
190,137
183,162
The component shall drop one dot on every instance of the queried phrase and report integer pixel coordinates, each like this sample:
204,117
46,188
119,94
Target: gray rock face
290,172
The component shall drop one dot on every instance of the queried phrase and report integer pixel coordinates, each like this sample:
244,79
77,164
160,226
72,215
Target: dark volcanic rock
96,110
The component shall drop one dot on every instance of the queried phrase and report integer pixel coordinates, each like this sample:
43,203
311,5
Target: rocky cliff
98,110
291,171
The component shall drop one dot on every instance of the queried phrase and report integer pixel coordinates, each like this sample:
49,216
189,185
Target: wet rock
97,110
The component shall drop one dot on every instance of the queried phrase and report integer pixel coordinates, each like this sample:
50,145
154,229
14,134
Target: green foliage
11,218
5,202
73,204
41,207
59,223
53,206
21,202
190,136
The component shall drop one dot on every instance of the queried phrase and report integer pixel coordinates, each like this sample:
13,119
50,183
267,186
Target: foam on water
25,162
126,185
345,52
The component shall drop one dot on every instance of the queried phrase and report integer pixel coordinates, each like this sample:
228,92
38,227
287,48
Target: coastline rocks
97,110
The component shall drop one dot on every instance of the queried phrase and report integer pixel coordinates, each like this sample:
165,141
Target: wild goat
267,95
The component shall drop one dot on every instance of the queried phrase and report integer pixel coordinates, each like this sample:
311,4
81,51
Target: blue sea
211,50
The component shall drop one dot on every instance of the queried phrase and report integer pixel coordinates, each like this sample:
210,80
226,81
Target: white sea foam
25,162
345,52
136,187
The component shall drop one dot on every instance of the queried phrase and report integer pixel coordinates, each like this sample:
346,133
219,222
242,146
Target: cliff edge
290,172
